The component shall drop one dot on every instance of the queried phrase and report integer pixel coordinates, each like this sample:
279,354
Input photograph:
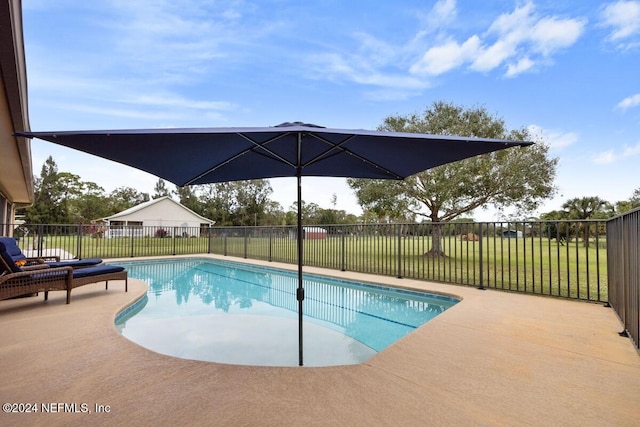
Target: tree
635,198
309,212
188,198
51,190
328,216
161,190
554,227
43,206
252,198
273,214
90,205
623,206
124,198
587,208
62,198
387,200
517,177
218,202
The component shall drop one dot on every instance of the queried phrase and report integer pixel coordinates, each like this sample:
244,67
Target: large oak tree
519,178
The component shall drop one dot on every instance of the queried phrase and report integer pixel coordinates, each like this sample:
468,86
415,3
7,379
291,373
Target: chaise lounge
47,262
15,281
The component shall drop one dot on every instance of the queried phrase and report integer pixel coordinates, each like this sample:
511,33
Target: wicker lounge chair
15,281
16,284
48,262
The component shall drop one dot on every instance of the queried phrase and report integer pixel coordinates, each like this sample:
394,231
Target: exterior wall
16,176
164,215
6,216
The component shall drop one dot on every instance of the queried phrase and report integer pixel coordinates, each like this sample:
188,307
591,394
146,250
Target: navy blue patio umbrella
210,155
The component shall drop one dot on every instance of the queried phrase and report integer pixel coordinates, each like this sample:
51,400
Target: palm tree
586,208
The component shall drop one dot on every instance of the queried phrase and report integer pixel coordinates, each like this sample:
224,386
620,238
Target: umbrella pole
300,291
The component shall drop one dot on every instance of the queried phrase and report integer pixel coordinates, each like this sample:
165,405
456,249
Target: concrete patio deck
496,358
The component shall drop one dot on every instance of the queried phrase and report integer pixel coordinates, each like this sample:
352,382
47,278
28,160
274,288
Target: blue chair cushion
76,263
95,271
16,254
5,253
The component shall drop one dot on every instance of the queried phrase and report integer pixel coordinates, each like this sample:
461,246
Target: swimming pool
236,313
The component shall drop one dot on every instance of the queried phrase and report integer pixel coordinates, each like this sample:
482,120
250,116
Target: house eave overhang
16,176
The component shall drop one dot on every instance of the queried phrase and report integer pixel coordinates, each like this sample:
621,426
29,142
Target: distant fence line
559,258
623,248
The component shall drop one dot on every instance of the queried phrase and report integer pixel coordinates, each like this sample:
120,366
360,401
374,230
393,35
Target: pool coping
494,358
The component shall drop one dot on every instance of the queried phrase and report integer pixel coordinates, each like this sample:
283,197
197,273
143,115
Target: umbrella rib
268,141
334,149
242,153
339,146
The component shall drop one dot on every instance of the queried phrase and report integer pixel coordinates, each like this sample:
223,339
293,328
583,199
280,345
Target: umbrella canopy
201,156
209,155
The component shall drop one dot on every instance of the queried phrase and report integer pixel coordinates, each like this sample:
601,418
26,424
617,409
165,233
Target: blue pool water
236,313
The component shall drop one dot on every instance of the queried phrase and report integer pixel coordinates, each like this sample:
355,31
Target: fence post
131,236
40,243
399,226
342,250
270,244
481,287
79,243
587,238
245,241
173,236
209,239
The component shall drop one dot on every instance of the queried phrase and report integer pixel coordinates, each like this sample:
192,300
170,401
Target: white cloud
441,14
446,57
551,34
137,58
383,65
376,51
611,156
443,11
491,57
178,102
632,151
555,139
623,19
116,111
604,157
135,98
519,40
356,69
630,101
513,25
521,66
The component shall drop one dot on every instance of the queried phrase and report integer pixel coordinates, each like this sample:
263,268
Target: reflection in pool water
236,313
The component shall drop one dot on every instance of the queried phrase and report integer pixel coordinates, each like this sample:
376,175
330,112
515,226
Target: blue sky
567,70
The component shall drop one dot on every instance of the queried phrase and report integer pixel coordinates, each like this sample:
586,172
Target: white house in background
162,217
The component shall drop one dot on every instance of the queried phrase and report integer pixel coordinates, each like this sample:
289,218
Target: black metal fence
623,268
558,258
